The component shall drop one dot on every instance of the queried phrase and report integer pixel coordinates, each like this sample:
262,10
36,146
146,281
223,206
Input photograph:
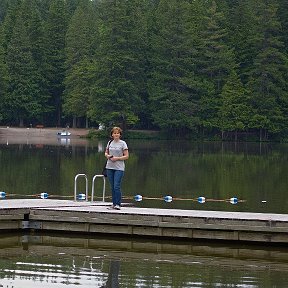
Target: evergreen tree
165,64
79,63
35,30
173,86
267,80
215,63
244,34
120,77
235,111
43,8
3,74
23,101
283,18
54,51
9,21
3,8
72,5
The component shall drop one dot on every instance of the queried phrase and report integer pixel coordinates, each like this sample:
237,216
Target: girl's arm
124,157
107,155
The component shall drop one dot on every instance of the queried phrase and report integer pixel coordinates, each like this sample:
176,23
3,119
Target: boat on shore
63,133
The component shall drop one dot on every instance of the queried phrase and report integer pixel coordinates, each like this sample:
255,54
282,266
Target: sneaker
117,207
111,207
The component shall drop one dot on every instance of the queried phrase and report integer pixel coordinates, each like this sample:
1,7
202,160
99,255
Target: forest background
209,68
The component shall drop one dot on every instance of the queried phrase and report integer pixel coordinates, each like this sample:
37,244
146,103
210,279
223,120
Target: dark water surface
252,172
57,261
256,173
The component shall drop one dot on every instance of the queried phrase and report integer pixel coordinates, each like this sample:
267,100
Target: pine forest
210,68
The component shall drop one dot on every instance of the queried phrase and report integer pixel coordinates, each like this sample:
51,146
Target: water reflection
113,280
183,169
57,261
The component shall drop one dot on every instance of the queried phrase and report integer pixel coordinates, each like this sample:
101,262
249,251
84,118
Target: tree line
203,67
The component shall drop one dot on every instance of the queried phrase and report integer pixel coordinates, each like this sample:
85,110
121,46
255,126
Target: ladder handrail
75,186
104,187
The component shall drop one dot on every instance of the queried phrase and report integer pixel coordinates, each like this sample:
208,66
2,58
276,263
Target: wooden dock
86,217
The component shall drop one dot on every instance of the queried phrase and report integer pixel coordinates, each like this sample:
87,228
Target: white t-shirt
116,148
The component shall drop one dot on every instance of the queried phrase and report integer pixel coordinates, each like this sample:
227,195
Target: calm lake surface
55,261
252,172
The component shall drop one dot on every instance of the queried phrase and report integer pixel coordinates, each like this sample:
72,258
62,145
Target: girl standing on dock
116,153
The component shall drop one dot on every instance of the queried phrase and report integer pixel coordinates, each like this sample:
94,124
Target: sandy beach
15,135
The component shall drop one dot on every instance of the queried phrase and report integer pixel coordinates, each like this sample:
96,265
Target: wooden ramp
86,217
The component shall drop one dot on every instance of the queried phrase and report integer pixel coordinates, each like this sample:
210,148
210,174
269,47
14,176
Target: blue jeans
115,178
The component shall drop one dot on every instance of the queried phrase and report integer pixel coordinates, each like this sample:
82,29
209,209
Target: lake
49,261
255,174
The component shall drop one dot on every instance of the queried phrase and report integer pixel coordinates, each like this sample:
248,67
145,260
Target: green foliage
24,99
235,111
3,74
172,85
120,75
215,64
80,66
267,80
55,31
3,9
184,67
129,134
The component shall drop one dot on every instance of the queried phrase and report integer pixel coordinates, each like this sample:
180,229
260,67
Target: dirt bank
40,132
15,135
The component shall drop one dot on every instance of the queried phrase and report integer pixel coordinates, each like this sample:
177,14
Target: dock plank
87,217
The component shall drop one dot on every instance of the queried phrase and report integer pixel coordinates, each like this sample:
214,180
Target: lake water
56,261
254,173
251,172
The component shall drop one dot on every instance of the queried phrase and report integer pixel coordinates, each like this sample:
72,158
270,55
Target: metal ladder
93,184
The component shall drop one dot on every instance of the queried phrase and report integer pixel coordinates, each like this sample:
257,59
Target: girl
116,153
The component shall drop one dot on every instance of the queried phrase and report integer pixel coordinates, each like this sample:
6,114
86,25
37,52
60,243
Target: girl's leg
110,175
118,176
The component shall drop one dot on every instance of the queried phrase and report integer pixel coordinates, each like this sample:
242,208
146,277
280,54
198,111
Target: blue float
201,199
168,198
234,200
138,198
44,195
2,194
81,196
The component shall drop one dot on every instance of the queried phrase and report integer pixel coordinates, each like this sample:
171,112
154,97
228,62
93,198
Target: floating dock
95,217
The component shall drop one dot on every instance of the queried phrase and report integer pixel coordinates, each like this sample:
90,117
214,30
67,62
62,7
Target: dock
69,216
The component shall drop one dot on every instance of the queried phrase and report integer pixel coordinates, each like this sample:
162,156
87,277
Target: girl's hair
116,129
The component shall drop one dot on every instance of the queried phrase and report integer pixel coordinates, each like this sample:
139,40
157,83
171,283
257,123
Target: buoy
234,200
201,199
2,194
44,195
168,198
138,198
81,196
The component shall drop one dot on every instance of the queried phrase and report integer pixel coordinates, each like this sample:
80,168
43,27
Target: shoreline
16,135
40,132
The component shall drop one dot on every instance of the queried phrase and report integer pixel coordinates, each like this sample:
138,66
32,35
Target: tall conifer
215,62
235,110
55,31
120,77
24,101
3,74
80,39
267,80
173,86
